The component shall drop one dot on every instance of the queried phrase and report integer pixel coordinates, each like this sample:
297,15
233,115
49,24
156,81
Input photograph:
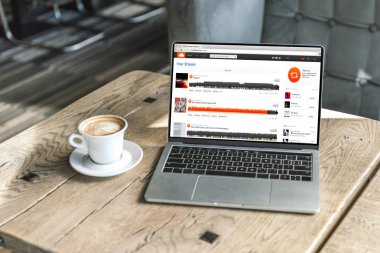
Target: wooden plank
39,145
360,229
84,214
4,250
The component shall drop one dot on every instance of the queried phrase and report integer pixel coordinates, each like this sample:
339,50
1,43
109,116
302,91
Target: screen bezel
261,144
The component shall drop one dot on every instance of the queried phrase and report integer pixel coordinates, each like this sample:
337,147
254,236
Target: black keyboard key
295,163
258,165
262,175
268,165
253,154
198,162
265,160
271,156
236,159
213,152
168,169
302,167
304,158
173,155
262,171
217,163
282,172
211,167
288,167
246,159
187,171
222,153
300,173
272,171
207,162
284,177
256,160
278,166
281,156
308,163
247,165
295,178
276,161
230,168
227,163
241,169
261,155
216,158
175,165
187,156
197,156
242,154
237,164
188,160
191,166
226,158
272,176
176,170
306,178
251,170
174,160
221,168
175,150
206,157
201,167
199,172
292,157
286,162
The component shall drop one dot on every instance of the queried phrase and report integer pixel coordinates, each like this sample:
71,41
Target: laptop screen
260,93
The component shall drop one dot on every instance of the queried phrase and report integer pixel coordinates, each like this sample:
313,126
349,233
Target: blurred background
53,52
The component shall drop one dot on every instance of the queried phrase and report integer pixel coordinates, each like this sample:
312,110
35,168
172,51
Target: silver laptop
243,128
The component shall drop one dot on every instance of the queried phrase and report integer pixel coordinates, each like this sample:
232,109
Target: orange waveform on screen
227,110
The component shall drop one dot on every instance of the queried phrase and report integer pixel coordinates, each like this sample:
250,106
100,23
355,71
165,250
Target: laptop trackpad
232,191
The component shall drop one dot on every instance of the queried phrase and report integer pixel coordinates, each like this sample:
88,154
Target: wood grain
43,149
66,212
360,229
4,250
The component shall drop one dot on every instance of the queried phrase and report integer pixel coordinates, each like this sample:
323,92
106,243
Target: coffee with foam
103,125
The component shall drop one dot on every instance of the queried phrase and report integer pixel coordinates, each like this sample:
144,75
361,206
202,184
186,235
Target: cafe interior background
52,52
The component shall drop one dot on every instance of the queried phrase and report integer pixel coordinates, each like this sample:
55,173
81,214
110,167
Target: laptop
244,125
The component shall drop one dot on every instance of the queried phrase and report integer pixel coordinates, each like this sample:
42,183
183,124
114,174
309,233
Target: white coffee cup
101,137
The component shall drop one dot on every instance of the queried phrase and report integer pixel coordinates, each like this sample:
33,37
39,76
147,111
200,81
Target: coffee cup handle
73,141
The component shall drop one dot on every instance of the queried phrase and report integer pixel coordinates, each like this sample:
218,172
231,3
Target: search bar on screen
223,56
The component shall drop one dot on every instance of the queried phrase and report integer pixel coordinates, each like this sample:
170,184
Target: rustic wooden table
45,206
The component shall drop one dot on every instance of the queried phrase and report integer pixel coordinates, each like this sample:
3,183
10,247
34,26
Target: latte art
102,125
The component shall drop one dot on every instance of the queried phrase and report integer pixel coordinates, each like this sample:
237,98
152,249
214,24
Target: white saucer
81,162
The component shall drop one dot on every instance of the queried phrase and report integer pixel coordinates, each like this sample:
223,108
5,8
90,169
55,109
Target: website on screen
248,93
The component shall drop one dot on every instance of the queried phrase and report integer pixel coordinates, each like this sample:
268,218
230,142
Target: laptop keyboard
239,163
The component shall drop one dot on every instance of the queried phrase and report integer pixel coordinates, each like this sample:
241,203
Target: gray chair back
349,31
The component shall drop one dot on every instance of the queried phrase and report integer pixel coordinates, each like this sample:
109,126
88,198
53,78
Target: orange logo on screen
181,55
294,75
